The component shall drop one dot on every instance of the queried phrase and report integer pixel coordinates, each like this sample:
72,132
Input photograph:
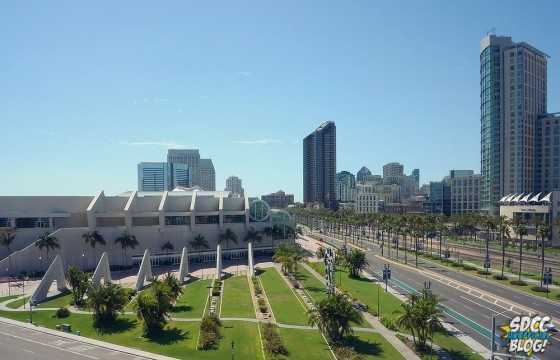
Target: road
470,313
19,343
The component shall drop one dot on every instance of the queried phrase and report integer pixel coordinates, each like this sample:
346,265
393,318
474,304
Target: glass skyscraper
512,96
319,166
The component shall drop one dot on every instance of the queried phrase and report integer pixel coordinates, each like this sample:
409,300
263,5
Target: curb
85,340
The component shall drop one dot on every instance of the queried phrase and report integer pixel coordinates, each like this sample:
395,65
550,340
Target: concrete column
250,256
219,262
184,267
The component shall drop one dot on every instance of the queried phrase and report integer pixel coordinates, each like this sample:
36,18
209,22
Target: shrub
263,309
153,307
347,353
484,272
129,293
62,313
455,264
79,282
518,282
389,323
209,332
468,267
500,277
538,288
273,344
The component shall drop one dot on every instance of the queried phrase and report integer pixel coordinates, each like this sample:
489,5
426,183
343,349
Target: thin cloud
244,73
167,144
259,142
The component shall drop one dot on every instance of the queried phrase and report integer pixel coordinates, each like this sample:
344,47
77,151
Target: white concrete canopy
184,267
535,198
55,272
526,197
145,272
219,261
102,271
546,198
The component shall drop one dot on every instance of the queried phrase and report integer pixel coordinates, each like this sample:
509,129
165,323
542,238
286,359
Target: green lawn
18,303
57,301
191,303
366,291
304,345
6,298
313,287
373,346
236,299
286,306
177,340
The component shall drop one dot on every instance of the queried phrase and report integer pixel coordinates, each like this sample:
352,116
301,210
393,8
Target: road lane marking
49,345
486,307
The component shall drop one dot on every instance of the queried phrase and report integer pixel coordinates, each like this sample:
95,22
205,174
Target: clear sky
89,90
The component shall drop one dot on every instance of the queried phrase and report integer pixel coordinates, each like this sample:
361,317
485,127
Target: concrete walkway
389,335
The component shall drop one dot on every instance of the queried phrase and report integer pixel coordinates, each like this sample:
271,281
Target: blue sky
88,91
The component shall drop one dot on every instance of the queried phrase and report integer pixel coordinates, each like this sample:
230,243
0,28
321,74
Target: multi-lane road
469,302
22,343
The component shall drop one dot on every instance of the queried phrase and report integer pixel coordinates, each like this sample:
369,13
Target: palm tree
47,242
126,240
228,236
490,224
503,228
334,315
167,247
6,240
93,238
199,242
520,230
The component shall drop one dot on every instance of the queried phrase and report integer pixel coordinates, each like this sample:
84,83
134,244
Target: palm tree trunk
520,254
503,253
542,260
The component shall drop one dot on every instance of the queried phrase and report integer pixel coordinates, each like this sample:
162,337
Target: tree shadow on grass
169,336
458,355
181,308
116,326
364,347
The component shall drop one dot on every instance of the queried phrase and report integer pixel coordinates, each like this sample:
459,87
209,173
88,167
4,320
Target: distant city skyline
248,88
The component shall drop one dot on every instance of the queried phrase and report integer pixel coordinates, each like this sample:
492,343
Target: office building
278,200
416,176
234,185
189,157
464,192
180,175
362,174
439,198
393,169
547,148
373,179
153,176
345,186
366,203
319,166
207,175
513,92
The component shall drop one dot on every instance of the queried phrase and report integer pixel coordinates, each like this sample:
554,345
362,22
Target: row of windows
26,223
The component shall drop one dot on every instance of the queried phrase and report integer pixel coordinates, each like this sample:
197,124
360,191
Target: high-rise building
190,157
547,148
180,175
416,175
278,200
362,174
464,188
234,185
439,198
513,91
207,175
319,166
153,176
393,169
345,186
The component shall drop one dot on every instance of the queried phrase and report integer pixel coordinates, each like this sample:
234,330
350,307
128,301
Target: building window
234,219
5,222
175,220
26,223
210,219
